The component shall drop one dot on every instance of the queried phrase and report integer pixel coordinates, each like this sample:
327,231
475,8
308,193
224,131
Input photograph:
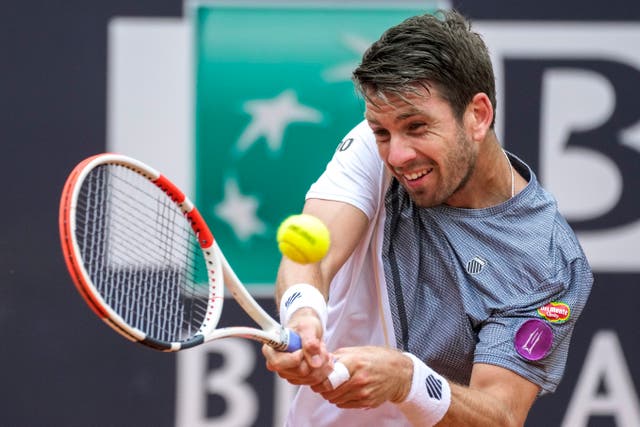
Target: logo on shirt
533,340
476,265
555,312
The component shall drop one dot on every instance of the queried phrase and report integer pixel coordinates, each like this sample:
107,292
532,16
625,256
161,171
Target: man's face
423,145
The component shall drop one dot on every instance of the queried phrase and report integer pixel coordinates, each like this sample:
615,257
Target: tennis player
453,284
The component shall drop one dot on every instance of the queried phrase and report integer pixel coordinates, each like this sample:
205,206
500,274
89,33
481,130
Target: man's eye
381,134
416,126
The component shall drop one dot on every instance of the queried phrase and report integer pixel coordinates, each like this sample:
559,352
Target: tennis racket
144,260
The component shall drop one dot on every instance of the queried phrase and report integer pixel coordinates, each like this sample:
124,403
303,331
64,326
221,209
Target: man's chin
422,199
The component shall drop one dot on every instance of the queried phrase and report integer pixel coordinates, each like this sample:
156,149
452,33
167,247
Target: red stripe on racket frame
67,247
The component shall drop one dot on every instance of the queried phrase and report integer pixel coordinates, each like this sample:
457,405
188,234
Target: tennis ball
303,238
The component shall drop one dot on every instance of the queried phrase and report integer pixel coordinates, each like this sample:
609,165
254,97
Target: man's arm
347,226
495,396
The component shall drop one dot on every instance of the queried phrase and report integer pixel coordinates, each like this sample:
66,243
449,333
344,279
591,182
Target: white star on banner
270,117
239,211
342,72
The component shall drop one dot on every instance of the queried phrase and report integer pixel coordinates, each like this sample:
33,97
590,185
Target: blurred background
229,99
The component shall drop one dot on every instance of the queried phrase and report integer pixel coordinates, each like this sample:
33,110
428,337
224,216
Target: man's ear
479,116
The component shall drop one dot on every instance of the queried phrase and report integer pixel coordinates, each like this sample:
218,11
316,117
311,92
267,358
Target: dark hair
432,50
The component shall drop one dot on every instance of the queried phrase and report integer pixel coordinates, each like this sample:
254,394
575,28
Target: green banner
273,97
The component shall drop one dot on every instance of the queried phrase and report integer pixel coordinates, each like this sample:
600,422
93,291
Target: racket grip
294,341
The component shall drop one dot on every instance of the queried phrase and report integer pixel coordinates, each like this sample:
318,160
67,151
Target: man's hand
378,374
309,366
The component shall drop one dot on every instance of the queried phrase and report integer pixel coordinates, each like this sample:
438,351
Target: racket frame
219,272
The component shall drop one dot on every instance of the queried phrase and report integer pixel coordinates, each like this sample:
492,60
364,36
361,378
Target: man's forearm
471,408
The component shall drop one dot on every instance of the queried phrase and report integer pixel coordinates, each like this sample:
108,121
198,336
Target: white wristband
303,295
429,397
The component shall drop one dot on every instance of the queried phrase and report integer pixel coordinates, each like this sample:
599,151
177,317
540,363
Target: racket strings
141,254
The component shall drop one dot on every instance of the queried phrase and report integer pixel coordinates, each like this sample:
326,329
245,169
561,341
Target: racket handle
294,342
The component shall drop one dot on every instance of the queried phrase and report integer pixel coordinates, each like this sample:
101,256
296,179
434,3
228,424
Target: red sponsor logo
556,312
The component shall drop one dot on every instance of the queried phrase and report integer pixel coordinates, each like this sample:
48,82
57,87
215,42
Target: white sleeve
355,173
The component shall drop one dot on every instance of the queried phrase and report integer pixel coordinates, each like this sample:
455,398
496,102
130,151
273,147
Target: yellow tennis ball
303,238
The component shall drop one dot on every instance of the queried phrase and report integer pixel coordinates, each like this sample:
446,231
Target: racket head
140,253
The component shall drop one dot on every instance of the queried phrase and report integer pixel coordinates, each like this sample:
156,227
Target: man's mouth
417,174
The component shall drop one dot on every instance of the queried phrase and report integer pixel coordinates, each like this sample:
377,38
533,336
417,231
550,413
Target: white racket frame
219,271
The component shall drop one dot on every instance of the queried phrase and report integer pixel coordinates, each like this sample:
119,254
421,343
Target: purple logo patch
533,340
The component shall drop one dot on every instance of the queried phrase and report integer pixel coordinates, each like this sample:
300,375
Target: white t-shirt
358,310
